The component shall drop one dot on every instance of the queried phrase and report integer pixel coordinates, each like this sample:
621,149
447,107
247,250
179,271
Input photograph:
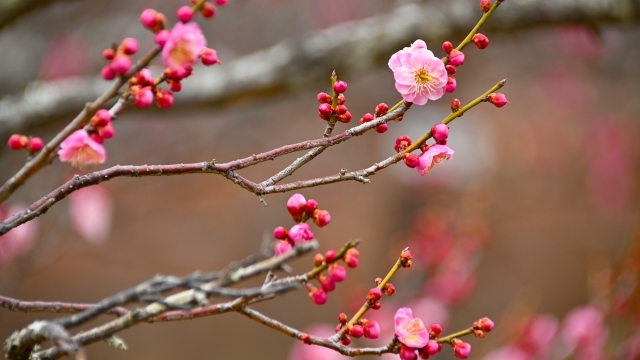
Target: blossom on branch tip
296,204
183,46
80,149
410,331
485,324
447,46
434,155
455,105
419,75
456,57
340,86
485,5
300,233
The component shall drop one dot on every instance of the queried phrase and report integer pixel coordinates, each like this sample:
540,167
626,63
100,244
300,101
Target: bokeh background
540,197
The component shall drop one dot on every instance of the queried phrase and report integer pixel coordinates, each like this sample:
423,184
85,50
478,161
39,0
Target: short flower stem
455,115
396,105
447,339
318,269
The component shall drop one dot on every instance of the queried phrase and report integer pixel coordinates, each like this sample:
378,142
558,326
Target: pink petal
91,212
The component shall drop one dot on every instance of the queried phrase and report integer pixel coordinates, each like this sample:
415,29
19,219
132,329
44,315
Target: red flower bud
310,206
382,109
382,128
330,256
366,118
343,318
318,260
324,98
485,5
411,160
325,109
341,99
35,144
340,86
455,105
447,46
481,41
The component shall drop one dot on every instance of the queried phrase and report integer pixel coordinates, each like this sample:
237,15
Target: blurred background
535,216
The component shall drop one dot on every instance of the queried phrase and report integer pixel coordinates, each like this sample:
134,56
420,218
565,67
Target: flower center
422,76
182,54
423,80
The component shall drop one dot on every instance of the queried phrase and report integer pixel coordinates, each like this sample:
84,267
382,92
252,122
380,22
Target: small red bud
456,57
330,256
341,99
108,54
411,160
366,118
341,109
478,333
378,281
451,70
108,73
376,306
346,340
325,109
338,328
374,295
485,5
208,10
209,57
447,46
398,119
481,41
99,139
340,86
327,283
497,99
343,318
382,128
435,330
405,257
175,86
356,331
389,289
310,206
101,118
321,218
344,118
318,260
129,46
324,98
382,109
185,14
17,142
455,105
323,117
305,339
402,143
35,144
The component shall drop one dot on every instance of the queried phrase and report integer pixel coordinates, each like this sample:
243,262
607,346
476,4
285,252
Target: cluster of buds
101,127
482,326
375,294
380,110
497,99
367,328
334,105
301,210
335,273
19,142
118,57
405,258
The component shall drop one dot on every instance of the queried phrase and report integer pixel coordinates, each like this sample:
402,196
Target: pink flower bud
318,296
280,233
324,98
342,318
35,144
356,331
17,142
321,218
435,330
144,97
282,247
129,46
455,105
366,118
341,99
456,57
402,142
330,256
405,256
461,349
351,257
382,128
108,54
97,138
372,330
376,306
451,85
162,37
337,272
346,340
325,109
149,18
407,353
485,324
327,283
164,98
310,206
296,204
447,46
340,86
185,14
318,260
341,109
222,2
411,160
107,131
344,118
300,233
209,57
485,5
174,86
108,73
440,132
208,10
481,41
497,99
101,118
431,348
121,64
374,295
451,70
382,109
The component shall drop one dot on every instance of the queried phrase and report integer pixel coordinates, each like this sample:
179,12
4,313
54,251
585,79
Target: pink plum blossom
91,213
80,149
420,76
19,241
434,155
584,330
300,233
410,331
183,46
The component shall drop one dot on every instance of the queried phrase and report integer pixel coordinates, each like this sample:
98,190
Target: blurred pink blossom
508,352
66,56
19,241
539,335
584,332
431,311
91,212
183,46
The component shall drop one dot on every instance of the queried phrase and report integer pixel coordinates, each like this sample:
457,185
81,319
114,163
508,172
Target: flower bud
341,99
451,70
378,280
296,204
485,5
280,233
344,118
497,99
144,97
341,109
376,306
325,109
340,86
372,330
374,295
108,54
405,256
149,18
402,142
209,57
407,353
208,11
455,105
326,282
129,46
174,86
310,206
389,289
451,85
481,41
382,128
366,118
411,160
330,256
95,136
282,247
456,57
35,144
435,330
121,63
318,259
431,348
346,340
478,333
107,131
356,331
162,37
351,257
321,218
185,14
440,131
101,118
484,324
164,98
305,338
318,296
324,98
382,109
337,272
461,349
107,72
447,46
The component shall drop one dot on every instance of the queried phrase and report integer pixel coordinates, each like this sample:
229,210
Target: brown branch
53,307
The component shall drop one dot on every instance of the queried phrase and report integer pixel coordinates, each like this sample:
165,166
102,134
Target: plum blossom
19,241
80,149
411,331
584,330
91,212
420,76
434,155
183,46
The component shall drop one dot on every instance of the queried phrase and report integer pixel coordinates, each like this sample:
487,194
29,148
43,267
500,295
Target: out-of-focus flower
410,331
419,75
584,330
301,351
183,46
507,353
20,240
434,155
539,334
80,149
300,233
91,212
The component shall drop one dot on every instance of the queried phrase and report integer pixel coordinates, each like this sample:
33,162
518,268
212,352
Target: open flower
183,46
411,331
434,155
419,75
80,149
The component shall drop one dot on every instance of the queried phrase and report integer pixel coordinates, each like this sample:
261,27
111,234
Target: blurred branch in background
294,62
12,10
